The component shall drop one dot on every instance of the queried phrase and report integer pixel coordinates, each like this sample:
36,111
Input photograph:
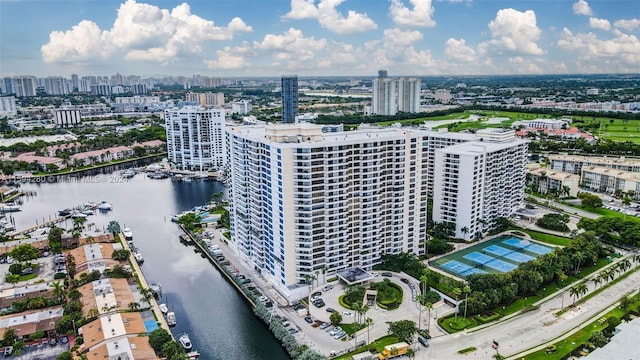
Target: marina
202,303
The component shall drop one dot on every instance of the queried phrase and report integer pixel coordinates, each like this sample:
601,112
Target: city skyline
319,38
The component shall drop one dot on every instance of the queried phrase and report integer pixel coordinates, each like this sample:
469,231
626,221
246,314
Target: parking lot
40,351
46,269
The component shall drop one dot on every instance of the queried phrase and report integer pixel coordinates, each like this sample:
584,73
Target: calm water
221,325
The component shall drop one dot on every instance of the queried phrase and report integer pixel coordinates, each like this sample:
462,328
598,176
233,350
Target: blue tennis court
517,243
500,265
459,268
479,258
497,250
495,256
518,257
538,249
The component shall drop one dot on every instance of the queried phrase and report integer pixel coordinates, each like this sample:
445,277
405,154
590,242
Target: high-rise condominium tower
289,86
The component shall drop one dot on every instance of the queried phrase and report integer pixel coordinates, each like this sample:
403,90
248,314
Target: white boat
78,216
9,208
171,318
128,174
157,289
104,206
175,218
88,212
193,354
128,234
185,341
139,258
163,308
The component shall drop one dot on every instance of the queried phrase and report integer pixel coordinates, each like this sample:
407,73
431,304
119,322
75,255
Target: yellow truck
393,350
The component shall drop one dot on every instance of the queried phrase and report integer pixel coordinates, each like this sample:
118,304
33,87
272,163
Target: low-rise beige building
609,180
106,295
28,322
117,336
574,163
96,256
543,180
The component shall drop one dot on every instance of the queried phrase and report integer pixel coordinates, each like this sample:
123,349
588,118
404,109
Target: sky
225,38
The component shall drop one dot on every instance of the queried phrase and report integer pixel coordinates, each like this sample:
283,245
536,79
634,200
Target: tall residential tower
304,202
289,87
195,137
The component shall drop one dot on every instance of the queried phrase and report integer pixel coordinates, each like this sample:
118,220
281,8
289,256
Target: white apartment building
67,117
8,106
195,137
479,181
574,163
603,179
384,96
241,107
443,95
409,95
438,140
306,202
137,99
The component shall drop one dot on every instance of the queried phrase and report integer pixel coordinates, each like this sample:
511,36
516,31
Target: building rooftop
620,174
623,345
28,322
618,160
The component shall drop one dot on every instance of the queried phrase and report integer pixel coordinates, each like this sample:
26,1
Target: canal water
220,324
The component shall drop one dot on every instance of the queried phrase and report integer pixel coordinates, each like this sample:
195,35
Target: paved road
568,209
531,329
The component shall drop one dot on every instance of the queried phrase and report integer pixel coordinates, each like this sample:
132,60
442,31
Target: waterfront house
117,335
9,295
28,322
106,295
95,256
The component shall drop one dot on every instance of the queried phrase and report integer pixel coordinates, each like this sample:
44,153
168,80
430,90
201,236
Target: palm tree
624,265
466,290
58,291
171,349
357,308
428,305
611,273
597,281
134,306
368,322
93,312
465,231
577,291
457,292
578,258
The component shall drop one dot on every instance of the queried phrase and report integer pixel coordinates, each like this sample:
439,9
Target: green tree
335,318
577,291
58,291
113,227
598,339
24,253
171,349
404,330
65,356
157,339
9,337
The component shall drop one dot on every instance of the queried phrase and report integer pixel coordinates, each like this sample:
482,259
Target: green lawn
452,325
378,345
546,238
575,341
28,277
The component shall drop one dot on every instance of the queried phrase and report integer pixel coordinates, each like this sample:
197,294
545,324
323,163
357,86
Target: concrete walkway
143,282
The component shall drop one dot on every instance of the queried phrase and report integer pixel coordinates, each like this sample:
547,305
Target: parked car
423,341
308,319
53,342
292,331
347,313
331,310
327,288
64,340
387,274
316,295
8,350
405,281
324,326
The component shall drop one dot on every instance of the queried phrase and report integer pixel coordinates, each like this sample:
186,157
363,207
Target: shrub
15,268
553,221
485,319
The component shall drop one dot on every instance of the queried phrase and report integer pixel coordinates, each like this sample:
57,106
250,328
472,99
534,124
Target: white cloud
602,24
621,52
628,25
143,32
582,8
419,16
329,17
229,59
458,50
291,45
521,66
398,48
513,32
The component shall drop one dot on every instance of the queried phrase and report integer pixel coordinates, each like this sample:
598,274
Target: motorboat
175,218
78,215
171,318
104,206
139,258
193,354
87,212
128,174
157,289
163,308
128,234
185,341
65,212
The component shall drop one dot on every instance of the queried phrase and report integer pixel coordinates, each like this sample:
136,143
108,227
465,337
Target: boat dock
51,221
143,283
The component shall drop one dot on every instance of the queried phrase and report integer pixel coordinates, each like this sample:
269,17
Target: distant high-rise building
289,87
56,85
409,95
101,89
478,182
393,95
7,85
139,89
74,82
206,99
241,107
24,85
195,137
384,96
8,106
